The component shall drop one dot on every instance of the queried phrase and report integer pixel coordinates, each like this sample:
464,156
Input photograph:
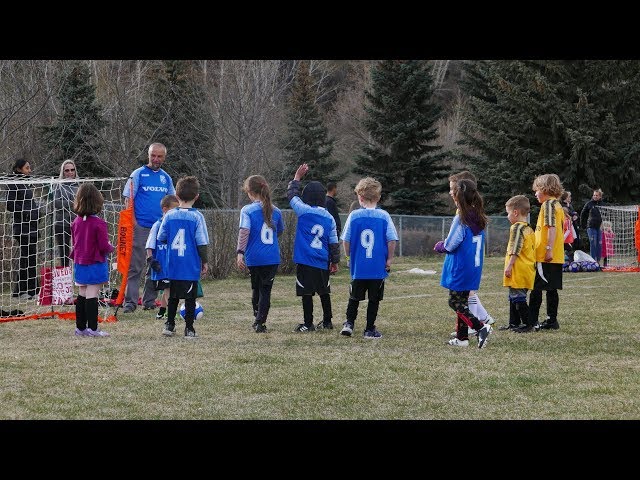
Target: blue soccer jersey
183,229
150,187
462,267
159,252
368,230
262,245
315,231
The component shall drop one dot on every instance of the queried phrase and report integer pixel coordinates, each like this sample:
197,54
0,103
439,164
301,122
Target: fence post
400,222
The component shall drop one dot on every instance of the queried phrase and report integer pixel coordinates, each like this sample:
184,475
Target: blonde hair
520,203
549,184
67,162
606,224
369,188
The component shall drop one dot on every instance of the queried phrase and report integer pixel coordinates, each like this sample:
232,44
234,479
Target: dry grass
588,369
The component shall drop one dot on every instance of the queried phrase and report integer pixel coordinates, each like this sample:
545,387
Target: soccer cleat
260,328
483,335
524,329
81,333
547,325
509,326
347,329
96,333
324,325
372,333
490,320
459,343
302,328
160,317
169,329
190,333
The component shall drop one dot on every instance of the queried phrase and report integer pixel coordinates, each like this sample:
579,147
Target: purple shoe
82,333
96,333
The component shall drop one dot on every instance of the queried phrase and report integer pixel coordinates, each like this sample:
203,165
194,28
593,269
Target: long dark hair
470,203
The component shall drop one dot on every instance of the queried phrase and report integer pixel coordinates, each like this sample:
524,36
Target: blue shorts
94,274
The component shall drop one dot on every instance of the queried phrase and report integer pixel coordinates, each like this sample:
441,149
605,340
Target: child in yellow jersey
549,251
519,264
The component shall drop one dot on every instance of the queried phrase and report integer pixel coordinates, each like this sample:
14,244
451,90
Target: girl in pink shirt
91,246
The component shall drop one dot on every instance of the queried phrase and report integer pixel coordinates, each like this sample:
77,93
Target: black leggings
307,308
459,303
27,274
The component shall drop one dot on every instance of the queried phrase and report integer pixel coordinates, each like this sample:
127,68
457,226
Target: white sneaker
490,320
472,332
459,343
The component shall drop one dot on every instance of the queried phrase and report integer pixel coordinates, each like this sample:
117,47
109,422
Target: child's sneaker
96,333
324,325
483,335
190,333
81,333
372,333
302,328
260,328
459,343
490,320
169,329
160,316
472,332
347,329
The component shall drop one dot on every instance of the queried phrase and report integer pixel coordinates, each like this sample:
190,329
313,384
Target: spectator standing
63,196
150,184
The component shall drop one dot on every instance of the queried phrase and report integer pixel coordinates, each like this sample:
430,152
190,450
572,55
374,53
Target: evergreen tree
578,119
76,131
401,120
174,116
307,139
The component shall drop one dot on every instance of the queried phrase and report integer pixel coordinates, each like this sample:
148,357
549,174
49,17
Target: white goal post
621,230
36,275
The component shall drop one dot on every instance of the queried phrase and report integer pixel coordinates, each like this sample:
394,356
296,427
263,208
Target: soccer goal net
35,239
621,237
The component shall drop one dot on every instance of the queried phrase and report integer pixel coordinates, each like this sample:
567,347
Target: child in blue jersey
374,241
462,267
258,250
316,249
475,305
184,230
157,256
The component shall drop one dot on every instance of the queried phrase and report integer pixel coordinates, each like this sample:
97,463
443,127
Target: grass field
589,369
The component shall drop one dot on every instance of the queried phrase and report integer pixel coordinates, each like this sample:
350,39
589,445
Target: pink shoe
96,333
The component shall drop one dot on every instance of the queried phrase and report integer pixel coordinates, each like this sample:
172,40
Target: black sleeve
293,189
334,252
584,215
333,210
202,251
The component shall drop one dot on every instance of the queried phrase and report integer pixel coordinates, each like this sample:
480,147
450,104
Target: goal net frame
625,224
55,291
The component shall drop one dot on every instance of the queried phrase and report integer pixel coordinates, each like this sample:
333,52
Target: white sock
476,307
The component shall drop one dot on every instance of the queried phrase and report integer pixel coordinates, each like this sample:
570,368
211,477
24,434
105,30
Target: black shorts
359,288
184,289
161,284
312,280
262,275
548,276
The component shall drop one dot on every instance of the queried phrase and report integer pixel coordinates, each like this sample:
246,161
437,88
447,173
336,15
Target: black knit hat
314,194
